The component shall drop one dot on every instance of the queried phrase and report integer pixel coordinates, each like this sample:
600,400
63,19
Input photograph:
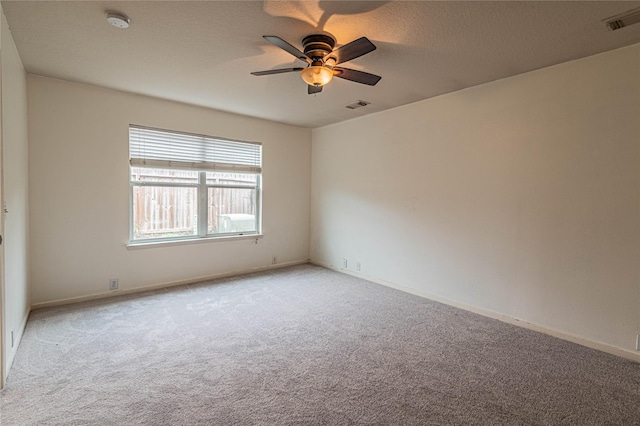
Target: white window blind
156,148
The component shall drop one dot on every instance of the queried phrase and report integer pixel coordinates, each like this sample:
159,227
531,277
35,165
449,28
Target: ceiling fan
321,60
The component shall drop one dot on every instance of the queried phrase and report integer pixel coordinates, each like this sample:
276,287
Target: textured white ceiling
202,52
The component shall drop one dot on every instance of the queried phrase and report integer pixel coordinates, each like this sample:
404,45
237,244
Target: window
187,186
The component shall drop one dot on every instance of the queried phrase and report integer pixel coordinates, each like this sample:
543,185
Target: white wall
15,193
519,197
79,192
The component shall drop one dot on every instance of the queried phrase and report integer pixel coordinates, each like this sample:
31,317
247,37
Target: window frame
202,197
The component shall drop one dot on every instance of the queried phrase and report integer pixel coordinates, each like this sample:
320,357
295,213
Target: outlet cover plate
113,284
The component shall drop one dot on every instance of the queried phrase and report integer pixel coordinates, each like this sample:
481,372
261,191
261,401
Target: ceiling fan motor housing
318,45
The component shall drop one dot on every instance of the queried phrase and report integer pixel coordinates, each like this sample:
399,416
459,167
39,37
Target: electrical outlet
274,260
358,266
11,338
638,342
344,263
113,284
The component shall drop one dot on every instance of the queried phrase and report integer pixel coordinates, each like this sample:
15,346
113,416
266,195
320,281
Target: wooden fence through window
161,211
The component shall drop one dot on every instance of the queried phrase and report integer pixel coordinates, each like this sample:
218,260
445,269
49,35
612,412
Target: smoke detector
623,20
118,20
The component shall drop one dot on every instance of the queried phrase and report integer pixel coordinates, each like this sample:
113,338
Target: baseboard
142,289
603,347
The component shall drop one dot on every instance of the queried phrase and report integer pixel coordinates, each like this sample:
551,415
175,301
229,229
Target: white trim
203,204
603,347
140,244
142,289
17,338
3,307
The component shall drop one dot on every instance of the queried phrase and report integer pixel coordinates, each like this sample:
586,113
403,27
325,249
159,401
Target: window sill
152,244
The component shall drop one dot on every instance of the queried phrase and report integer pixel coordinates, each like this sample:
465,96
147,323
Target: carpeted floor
303,345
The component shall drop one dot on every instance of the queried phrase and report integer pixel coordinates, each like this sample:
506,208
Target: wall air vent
623,20
358,104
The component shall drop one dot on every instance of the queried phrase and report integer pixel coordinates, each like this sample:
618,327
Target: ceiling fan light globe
316,75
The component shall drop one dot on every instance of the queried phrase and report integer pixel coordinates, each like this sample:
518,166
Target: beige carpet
303,345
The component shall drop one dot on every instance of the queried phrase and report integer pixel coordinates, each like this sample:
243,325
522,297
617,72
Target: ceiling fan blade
287,47
313,89
357,76
279,71
353,50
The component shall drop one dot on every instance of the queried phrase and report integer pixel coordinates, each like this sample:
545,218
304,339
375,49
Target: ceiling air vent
623,20
358,104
